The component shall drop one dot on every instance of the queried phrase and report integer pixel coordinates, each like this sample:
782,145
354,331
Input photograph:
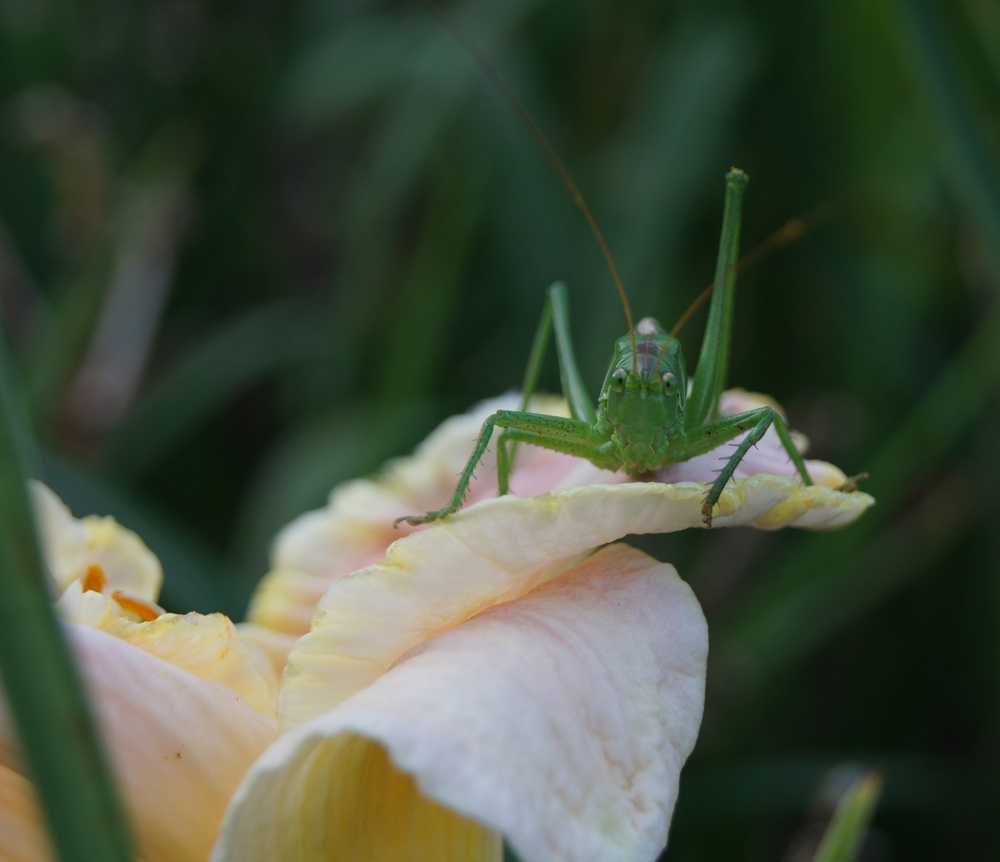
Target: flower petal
561,720
71,545
208,646
499,549
62,537
22,838
179,745
356,526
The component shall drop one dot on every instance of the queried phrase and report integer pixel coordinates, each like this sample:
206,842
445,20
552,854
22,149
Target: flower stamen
94,580
146,611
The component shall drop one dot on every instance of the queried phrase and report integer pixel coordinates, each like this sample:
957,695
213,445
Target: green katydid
645,417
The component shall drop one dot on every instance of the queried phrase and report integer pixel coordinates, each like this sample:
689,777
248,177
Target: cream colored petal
273,646
285,599
355,528
62,537
737,400
69,546
179,745
128,564
561,721
209,647
500,549
206,645
22,837
90,607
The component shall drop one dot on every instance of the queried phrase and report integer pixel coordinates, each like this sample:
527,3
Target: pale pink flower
491,676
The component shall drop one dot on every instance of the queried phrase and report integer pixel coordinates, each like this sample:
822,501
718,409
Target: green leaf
845,834
46,698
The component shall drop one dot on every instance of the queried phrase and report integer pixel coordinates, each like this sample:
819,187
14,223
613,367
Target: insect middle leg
557,433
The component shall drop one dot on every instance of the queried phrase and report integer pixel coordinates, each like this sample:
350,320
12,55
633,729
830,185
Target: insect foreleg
757,422
599,452
558,433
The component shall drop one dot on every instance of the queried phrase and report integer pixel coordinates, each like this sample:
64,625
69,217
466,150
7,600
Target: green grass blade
45,694
963,147
845,834
508,854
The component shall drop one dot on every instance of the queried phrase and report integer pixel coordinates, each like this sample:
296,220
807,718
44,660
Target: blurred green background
249,250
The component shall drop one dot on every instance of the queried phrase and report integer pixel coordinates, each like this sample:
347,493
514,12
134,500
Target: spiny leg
596,450
558,433
757,421
852,483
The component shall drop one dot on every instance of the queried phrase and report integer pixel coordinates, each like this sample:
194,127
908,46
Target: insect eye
619,376
669,381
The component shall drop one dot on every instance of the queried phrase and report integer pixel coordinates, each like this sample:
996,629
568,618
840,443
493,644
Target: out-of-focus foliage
251,250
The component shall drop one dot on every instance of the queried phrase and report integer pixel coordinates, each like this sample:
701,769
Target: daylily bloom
490,676
184,707
356,526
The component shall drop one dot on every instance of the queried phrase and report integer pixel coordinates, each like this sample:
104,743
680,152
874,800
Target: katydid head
646,382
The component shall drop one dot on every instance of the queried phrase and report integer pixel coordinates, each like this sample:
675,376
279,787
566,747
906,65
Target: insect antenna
543,142
791,231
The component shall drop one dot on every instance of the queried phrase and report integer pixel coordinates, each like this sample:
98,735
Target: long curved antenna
550,154
791,231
